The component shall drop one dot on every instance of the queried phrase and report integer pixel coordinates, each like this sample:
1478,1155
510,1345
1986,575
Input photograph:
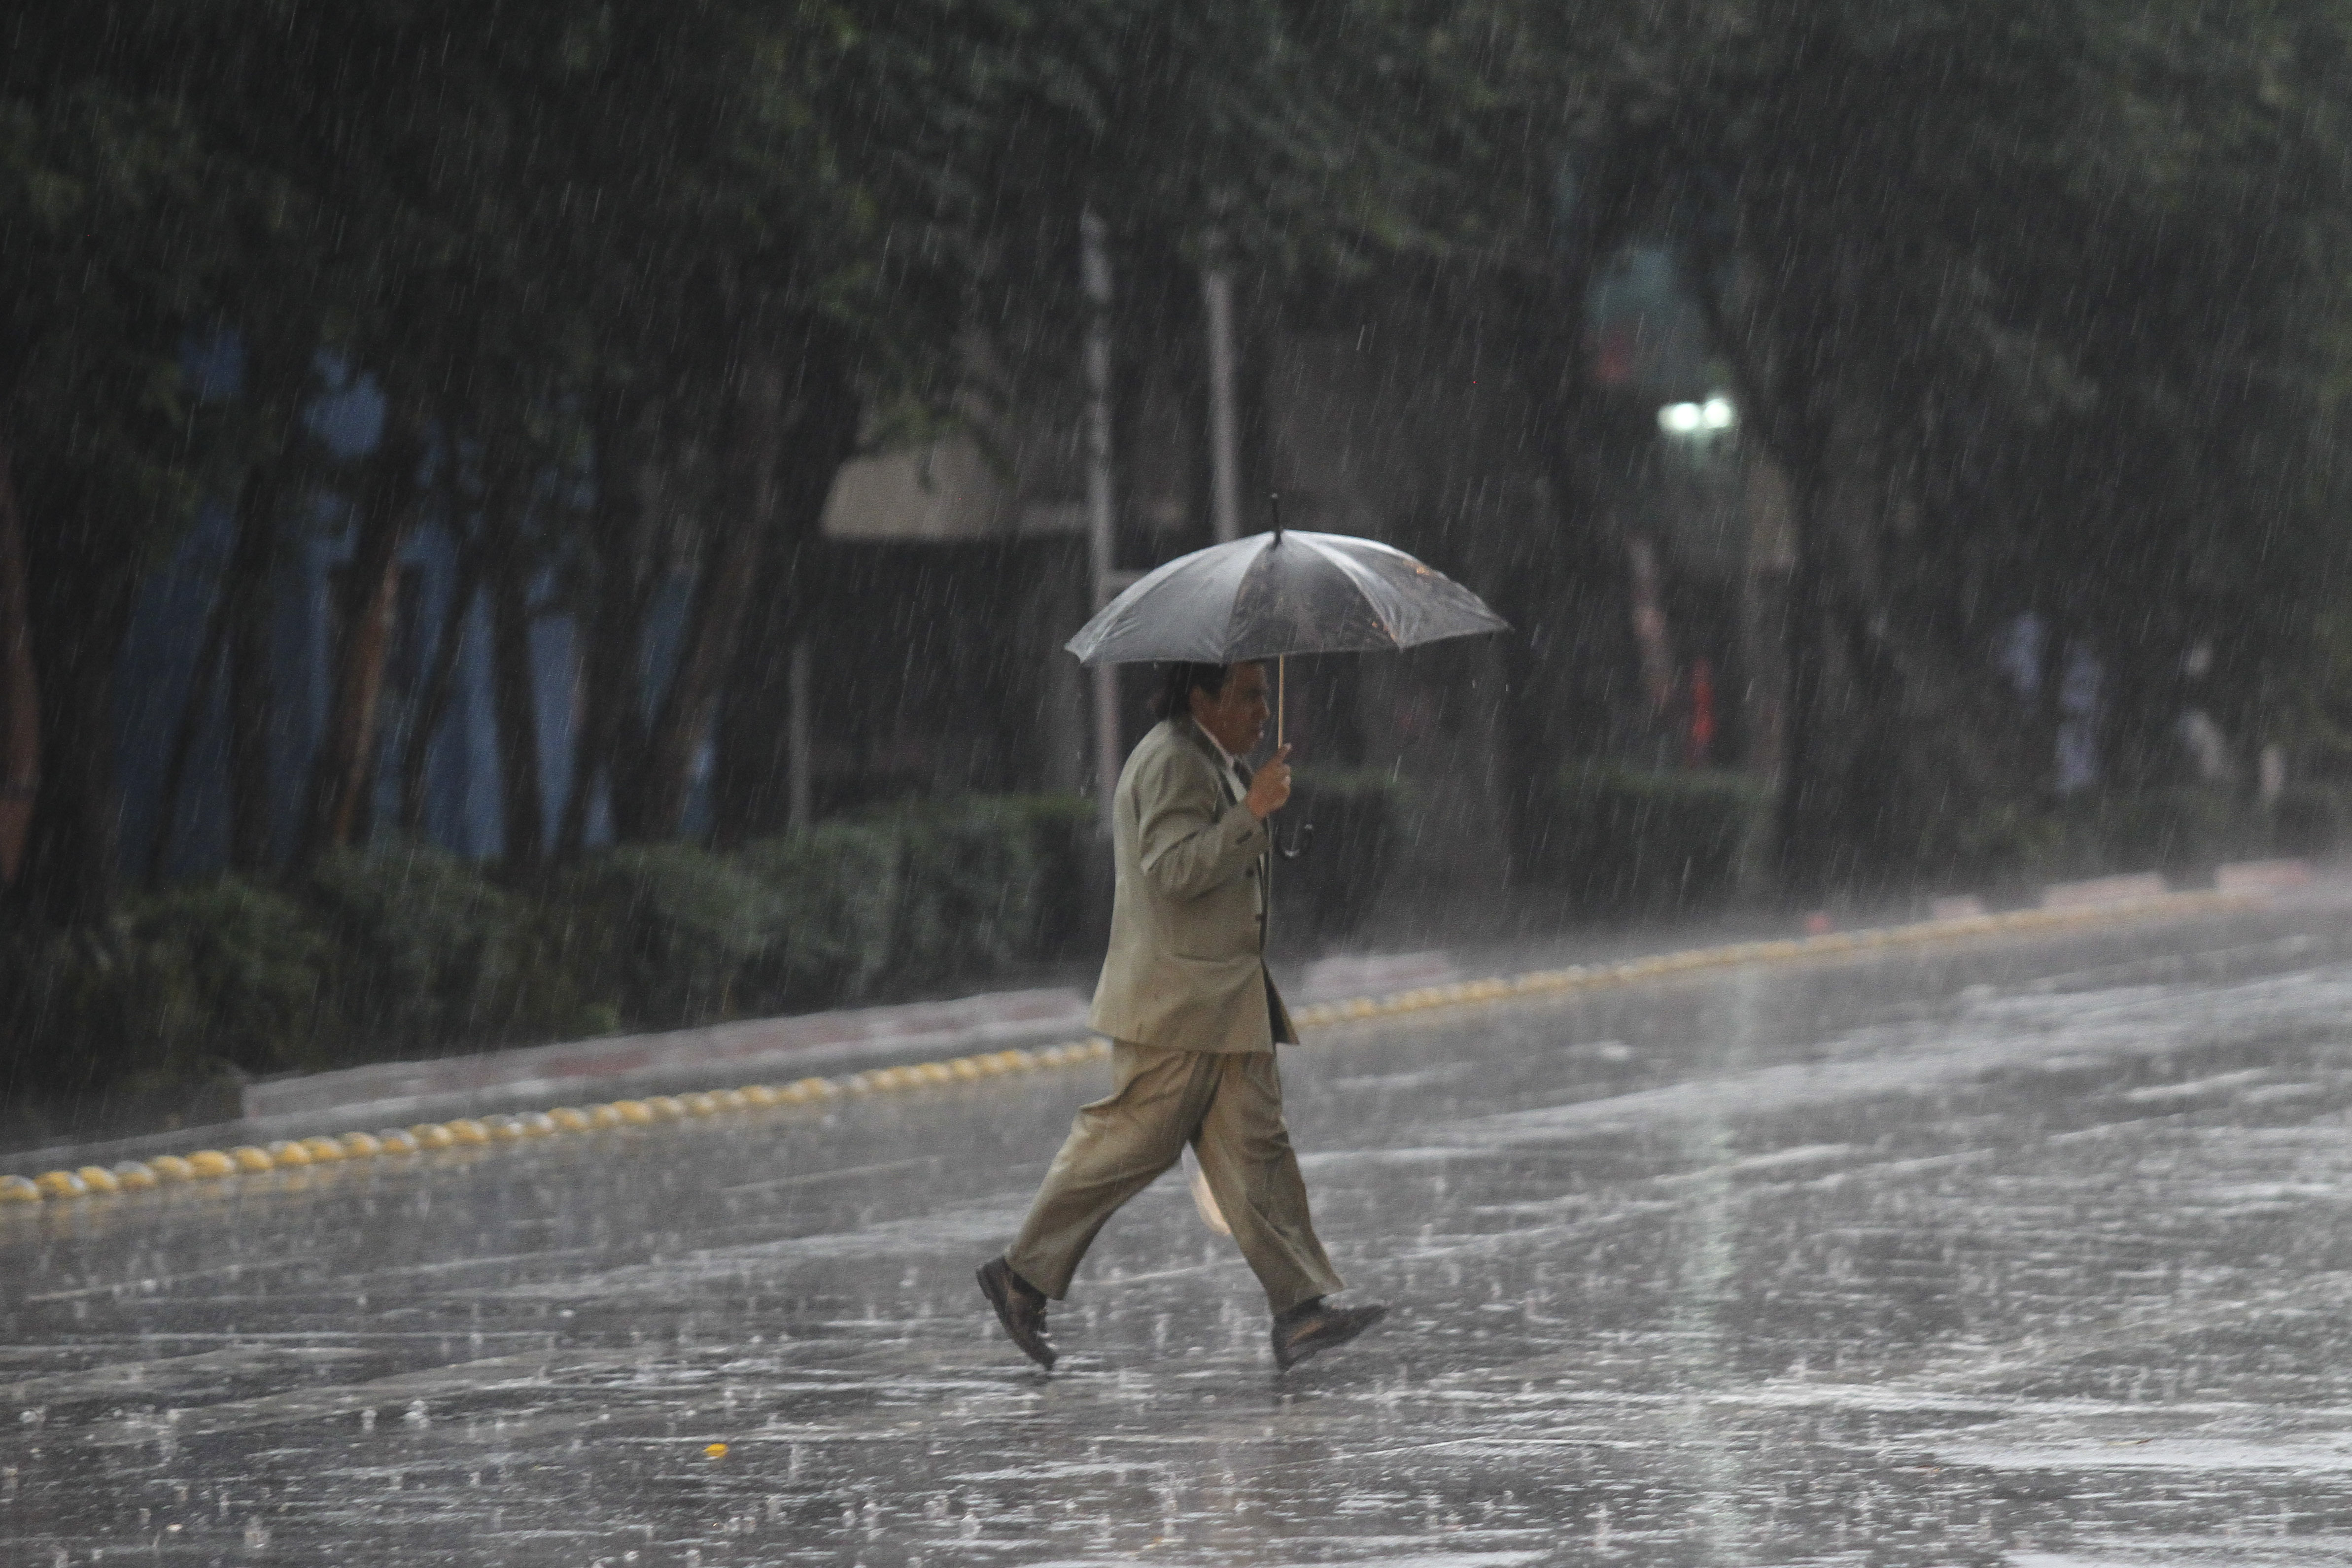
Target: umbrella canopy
1281,593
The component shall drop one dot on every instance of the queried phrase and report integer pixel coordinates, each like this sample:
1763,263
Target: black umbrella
1273,594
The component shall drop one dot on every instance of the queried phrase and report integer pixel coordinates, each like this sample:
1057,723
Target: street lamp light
1697,418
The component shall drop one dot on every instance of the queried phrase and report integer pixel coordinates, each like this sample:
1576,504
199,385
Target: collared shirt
1233,762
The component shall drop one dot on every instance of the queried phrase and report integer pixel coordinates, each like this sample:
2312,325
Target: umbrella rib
1365,580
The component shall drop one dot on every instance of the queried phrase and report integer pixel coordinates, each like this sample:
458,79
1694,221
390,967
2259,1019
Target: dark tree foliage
2036,306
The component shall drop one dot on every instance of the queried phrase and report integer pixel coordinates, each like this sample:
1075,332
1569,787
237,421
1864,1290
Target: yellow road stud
135,1175
249,1158
537,1124
432,1135
172,1168
732,1099
759,1096
98,1179
635,1112
604,1116
325,1150
934,1073
571,1119
668,1107
967,1068
398,1140
699,1103
714,1450
60,1185
505,1129
211,1162
467,1131
19,1190
288,1153
361,1145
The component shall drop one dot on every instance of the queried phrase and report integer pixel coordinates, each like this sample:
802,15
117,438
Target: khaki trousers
1228,1106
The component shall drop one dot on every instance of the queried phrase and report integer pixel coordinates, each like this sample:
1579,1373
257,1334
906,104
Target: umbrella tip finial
1273,500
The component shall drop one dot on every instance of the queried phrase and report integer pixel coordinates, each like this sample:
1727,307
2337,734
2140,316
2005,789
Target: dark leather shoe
1020,1307
1311,1328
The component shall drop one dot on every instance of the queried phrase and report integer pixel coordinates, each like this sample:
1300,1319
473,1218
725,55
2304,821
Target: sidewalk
855,1039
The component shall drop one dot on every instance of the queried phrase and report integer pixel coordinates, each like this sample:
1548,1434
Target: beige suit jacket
1186,968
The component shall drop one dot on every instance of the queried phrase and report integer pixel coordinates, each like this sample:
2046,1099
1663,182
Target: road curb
131,1176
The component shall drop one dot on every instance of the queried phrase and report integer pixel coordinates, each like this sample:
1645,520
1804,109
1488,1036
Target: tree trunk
1573,663
752,790
344,771
440,685
20,704
513,686
80,598
1804,818
613,697
193,710
715,620
252,690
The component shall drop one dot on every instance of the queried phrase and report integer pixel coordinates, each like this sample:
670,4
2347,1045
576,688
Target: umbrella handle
1299,840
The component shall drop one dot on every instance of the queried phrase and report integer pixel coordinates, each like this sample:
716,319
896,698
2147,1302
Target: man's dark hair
1179,681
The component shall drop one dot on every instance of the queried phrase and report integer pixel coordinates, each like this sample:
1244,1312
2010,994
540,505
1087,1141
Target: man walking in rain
1194,1018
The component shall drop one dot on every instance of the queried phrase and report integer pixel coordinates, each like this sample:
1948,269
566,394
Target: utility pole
1224,453
1094,270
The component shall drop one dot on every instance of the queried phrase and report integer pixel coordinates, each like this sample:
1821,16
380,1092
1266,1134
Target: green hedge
408,952
2312,819
404,952
1623,840
2183,831
1359,819
904,899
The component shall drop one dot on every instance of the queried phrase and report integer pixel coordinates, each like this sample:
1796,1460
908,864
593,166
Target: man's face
1235,716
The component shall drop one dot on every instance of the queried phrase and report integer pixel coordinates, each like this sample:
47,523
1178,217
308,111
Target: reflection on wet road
2031,1253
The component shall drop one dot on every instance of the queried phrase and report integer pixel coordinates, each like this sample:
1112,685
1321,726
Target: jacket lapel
1233,789
1208,748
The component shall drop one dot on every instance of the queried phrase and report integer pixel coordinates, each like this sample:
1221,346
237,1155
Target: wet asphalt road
2031,1253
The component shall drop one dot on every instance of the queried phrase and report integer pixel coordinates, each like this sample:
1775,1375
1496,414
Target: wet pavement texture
2026,1252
